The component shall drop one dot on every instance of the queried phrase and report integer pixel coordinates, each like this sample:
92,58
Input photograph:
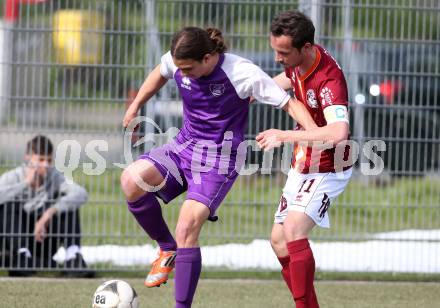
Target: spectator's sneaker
23,266
77,268
162,266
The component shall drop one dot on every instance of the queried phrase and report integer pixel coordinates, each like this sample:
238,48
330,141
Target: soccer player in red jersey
320,168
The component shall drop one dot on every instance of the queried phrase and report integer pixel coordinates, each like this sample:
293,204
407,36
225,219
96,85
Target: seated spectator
39,213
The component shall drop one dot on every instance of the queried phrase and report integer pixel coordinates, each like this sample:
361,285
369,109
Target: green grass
46,292
363,209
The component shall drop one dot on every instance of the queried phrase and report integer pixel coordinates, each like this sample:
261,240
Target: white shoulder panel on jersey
167,67
249,80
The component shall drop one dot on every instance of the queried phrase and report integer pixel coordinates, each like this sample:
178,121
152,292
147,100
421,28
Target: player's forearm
300,113
152,84
335,133
282,80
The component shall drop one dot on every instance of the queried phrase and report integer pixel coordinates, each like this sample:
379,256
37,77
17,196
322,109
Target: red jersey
322,86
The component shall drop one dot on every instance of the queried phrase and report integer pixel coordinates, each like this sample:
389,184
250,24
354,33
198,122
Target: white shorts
311,194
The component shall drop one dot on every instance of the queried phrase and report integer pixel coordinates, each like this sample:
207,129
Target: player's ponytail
216,36
194,43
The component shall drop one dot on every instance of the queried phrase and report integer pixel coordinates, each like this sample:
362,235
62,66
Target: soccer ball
115,294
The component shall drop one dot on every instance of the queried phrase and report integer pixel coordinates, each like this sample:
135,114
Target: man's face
41,163
285,53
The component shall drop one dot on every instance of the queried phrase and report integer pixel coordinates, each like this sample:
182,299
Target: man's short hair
40,145
296,25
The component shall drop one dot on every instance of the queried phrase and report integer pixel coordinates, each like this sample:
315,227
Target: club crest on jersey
217,89
311,98
186,83
327,96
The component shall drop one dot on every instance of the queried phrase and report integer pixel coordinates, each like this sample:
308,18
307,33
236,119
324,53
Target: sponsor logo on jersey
311,98
217,89
186,83
327,96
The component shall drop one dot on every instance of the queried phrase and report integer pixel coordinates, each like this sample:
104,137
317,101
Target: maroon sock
285,271
302,272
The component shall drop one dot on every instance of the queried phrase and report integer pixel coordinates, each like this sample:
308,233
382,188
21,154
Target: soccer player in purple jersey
203,159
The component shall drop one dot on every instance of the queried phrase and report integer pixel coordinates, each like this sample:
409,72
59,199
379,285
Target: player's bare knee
277,243
126,183
277,237
129,186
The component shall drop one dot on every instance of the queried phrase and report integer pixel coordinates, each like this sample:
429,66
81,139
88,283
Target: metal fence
68,69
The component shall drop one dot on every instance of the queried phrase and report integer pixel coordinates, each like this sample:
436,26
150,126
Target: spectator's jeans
17,231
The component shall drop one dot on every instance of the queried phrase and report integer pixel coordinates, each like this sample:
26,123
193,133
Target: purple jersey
219,103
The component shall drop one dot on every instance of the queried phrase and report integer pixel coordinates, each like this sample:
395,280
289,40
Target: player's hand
130,114
269,139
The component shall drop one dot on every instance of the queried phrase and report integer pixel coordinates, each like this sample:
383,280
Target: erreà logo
186,83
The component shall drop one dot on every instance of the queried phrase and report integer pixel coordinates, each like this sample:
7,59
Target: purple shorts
182,172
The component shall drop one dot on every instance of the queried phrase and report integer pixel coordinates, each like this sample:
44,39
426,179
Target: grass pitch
231,293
